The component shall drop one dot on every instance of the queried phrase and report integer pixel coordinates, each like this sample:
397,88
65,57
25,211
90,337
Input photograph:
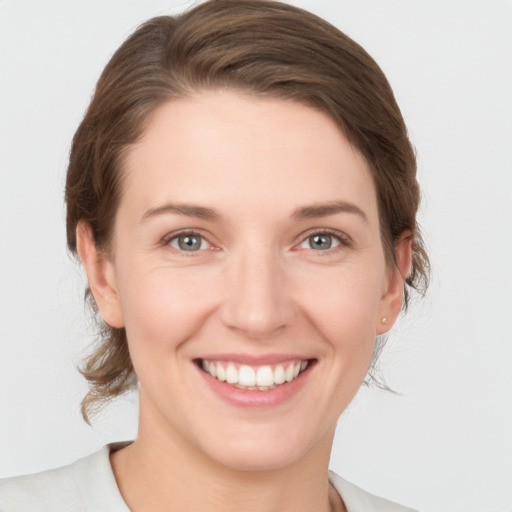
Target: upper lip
253,360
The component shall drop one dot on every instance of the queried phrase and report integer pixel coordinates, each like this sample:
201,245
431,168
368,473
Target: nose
257,301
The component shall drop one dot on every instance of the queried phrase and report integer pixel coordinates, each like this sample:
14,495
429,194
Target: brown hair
261,47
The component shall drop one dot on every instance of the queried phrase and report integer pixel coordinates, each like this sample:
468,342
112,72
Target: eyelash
343,239
166,241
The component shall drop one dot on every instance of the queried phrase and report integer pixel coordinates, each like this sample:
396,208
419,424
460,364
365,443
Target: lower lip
255,398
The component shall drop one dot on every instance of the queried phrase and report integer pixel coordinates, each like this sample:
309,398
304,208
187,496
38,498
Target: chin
250,459
265,450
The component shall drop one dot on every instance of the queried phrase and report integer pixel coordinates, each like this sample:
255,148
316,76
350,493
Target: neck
160,471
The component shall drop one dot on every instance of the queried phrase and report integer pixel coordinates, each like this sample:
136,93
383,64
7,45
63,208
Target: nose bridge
256,300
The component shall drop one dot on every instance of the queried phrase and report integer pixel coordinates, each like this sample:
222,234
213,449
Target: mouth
255,378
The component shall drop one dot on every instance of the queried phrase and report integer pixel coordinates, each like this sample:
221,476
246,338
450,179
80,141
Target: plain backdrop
444,443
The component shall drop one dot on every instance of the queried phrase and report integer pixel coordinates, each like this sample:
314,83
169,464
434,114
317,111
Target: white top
89,485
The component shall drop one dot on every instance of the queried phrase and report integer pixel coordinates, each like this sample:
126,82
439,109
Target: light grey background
445,444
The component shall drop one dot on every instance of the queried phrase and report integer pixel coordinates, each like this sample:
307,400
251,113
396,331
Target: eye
320,242
189,242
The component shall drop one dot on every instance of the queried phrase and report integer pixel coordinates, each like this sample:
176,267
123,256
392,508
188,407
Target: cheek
162,307
344,307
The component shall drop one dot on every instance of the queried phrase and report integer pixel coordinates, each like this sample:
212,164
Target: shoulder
50,490
85,485
358,500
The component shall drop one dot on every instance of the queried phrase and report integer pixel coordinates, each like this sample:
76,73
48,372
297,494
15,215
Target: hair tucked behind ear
108,368
261,47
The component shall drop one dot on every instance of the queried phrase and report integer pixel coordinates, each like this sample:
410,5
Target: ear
101,276
391,301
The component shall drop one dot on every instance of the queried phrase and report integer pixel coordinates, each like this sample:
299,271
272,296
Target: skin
255,287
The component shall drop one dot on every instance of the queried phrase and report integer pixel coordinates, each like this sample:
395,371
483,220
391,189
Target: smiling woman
245,211
231,291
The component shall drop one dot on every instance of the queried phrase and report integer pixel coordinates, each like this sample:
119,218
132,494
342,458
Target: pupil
189,243
320,241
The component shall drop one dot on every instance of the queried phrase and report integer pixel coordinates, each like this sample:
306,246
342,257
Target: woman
242,195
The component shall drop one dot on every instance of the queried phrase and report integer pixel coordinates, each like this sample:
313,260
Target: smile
261,378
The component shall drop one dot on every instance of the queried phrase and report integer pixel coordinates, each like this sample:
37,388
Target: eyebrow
190,210
302,213
326,209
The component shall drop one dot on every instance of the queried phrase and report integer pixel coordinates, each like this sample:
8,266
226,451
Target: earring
384,320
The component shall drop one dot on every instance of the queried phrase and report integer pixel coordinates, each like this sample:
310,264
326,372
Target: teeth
288,374
279,377
247,376
231,374
264,376
261,378
221,373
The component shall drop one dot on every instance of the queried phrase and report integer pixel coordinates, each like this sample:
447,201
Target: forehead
229,149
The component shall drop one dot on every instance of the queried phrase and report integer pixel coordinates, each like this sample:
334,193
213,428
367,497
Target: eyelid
344,239
168,238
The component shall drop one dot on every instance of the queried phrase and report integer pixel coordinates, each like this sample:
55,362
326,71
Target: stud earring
384,320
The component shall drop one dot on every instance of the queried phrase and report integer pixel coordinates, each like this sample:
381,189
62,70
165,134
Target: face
248,270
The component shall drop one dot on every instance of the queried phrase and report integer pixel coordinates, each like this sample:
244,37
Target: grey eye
320,242
189,243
